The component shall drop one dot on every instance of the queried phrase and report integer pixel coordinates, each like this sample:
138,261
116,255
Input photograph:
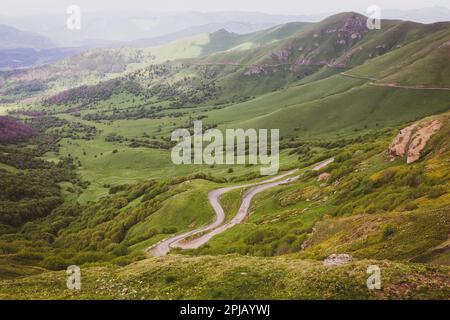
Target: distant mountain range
116,28
20,49
425,15
267,60
12,38
23,48
28,57
130,26
233,26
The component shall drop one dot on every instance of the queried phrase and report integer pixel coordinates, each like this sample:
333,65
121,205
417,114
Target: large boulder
412,140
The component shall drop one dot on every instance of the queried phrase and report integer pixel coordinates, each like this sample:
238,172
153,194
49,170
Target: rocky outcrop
282,56
420,138
445,45
399,146
337,260
412,140
314,48
255,70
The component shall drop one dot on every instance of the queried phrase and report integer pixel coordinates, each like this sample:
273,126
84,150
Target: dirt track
393,85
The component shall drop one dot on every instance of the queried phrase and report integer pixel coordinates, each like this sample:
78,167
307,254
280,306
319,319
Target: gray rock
337,260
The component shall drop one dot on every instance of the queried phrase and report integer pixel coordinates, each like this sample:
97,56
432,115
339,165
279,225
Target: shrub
388,231
386,177
413,179
343,157
119,188
169,230
120,250
436,192
89,257
419,192
255,238
29,256
170,279
7,248
12,130
367,186
5,229
411,207
122,261
55,263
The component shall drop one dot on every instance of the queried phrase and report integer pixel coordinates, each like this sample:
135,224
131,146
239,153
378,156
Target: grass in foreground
237,277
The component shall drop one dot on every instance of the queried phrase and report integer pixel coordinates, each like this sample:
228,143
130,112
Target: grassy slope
417,235
222,40
88,68
180,212
236,277
335,104
422,62
392,36
98,65
351,217
317,43
102,167
368,105
271,102
255,48
358,108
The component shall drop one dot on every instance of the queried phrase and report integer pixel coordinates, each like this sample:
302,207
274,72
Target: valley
87,177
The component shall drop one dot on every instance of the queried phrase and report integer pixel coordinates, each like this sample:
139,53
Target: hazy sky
27,7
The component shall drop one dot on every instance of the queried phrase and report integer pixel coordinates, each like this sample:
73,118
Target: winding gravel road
206,233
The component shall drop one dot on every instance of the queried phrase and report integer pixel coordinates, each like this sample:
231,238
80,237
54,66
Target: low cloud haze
297,7
115,23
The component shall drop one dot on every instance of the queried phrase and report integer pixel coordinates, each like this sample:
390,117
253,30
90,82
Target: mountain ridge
12,38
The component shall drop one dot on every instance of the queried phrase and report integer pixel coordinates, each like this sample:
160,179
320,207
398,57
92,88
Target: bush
255,238
120,250
170,279
413,179
436,192
386,177
343,157
29,256
55,263
388,231
122,261
411,207
169,230
89,257
6,248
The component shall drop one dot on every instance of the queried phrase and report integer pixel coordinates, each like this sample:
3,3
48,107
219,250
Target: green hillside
421,63
98,65
92,183
234,277
358,109
366,192
222,40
